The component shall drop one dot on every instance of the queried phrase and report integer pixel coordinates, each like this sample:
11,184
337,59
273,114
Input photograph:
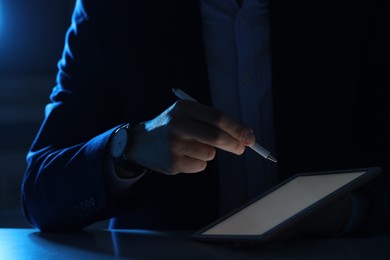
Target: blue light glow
1,17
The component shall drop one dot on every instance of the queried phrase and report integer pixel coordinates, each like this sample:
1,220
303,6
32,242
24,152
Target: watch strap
123,163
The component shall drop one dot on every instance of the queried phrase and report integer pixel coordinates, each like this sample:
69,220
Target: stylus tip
271,158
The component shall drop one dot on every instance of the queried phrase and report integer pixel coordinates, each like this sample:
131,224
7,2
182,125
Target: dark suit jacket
330,65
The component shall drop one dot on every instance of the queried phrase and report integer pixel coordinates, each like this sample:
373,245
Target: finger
185,164
194,149
207,134
217,119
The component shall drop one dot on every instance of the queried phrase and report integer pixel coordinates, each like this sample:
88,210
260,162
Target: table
143,244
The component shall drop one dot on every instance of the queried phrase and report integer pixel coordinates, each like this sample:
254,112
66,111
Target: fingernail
249,138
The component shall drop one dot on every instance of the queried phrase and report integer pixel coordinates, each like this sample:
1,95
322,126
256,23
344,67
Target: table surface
142,244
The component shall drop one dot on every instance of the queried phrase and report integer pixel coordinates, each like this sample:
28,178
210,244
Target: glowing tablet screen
281,204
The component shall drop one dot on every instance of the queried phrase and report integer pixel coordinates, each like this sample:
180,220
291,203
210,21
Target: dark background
32,34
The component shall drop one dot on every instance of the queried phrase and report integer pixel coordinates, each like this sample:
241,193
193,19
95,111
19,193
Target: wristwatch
119,142
118,148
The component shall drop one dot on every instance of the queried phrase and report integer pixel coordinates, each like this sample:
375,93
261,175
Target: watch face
118,143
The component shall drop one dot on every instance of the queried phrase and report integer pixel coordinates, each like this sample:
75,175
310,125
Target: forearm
62,188
67,189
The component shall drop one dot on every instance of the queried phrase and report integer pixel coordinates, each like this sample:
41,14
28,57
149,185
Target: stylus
255,147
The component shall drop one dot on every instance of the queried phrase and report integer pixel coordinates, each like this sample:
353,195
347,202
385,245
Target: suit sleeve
65,184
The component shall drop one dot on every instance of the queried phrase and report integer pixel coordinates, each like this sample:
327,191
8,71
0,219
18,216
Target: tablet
270,214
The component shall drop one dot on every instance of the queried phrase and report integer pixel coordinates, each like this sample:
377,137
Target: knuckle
210,154
239,149
201,166
240,132
223,121
220,140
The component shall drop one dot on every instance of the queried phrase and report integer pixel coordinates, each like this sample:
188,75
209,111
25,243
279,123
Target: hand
184,138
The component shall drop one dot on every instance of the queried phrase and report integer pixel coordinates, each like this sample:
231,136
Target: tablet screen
281,204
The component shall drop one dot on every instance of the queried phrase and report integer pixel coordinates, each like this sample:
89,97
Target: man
323,105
